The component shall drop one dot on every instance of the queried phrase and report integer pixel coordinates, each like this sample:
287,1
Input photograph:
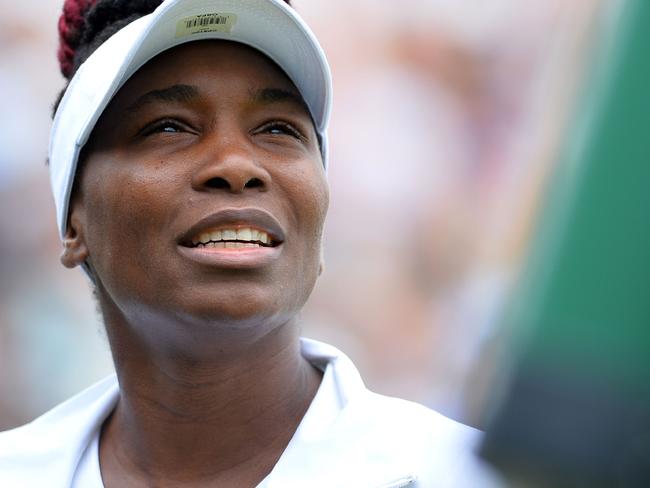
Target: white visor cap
269,26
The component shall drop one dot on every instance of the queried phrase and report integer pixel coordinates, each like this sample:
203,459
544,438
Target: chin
235,310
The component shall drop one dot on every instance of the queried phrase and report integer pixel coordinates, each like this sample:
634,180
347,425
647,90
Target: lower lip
234,258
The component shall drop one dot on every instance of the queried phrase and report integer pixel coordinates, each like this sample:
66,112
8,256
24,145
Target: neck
223,418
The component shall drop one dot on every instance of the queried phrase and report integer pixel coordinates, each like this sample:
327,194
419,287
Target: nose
231,166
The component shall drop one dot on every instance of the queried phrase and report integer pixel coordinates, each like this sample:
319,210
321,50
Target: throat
208,426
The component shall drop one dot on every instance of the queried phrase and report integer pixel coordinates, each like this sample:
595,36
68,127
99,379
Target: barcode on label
203,21
197,24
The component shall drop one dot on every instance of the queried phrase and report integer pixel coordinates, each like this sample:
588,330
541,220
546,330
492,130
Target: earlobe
75,251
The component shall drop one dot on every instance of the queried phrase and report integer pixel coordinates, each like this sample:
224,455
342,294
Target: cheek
321,200
309,208
122,208
311,202
321,212
313,209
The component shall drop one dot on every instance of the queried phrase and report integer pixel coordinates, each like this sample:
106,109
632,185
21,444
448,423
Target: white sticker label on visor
205,23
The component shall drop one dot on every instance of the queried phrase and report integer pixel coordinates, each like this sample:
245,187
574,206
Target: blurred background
448,120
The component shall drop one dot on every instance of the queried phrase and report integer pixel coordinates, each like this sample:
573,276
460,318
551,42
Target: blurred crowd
447,119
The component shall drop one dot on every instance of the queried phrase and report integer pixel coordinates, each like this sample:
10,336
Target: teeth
229,235
244,235
217,238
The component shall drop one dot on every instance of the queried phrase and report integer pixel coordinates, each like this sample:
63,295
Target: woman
187,160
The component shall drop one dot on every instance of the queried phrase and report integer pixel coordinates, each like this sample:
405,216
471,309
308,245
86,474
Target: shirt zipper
400,483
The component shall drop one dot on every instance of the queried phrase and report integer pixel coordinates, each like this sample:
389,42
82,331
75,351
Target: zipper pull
400,483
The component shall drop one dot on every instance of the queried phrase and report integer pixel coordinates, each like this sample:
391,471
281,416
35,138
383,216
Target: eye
280,128
165,126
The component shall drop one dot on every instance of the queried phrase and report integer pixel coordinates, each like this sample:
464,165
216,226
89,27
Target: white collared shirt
349,437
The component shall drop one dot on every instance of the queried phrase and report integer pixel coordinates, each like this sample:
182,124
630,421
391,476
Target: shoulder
383,438
47,449
393,417
407,426
413,441
405,416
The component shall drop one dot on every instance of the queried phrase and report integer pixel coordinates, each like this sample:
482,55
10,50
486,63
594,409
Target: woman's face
202,196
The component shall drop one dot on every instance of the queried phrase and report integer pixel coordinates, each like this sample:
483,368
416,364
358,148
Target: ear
75,251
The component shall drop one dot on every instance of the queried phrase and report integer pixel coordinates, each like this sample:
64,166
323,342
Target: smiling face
202,195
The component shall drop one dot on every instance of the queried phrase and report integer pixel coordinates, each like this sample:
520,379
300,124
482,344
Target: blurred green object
575,410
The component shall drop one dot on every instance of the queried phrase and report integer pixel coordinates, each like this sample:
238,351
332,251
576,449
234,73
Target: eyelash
284,126
159,125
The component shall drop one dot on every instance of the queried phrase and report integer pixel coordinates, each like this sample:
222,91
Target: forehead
212,65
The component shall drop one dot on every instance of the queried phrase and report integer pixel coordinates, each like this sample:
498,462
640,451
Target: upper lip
236,217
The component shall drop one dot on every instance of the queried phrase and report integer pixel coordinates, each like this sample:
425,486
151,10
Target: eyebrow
186,93
174,93
268,96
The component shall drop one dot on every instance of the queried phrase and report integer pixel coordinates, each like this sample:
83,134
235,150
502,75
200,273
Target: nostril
254,183
217,183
